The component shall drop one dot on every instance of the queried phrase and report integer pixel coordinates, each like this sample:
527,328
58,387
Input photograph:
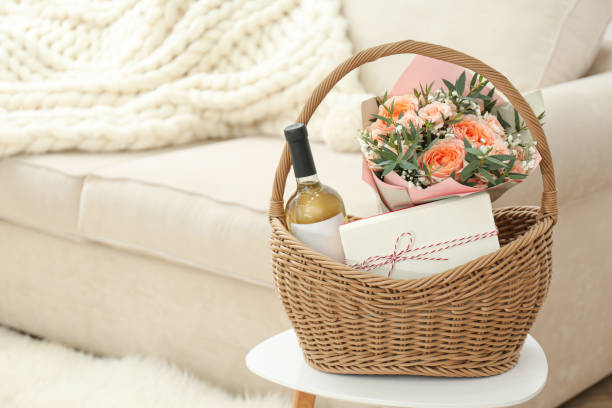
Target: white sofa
165,252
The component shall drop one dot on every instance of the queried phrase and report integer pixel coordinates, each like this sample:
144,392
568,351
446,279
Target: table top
279,359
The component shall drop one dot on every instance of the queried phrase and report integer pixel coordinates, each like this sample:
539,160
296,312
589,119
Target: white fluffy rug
37,374
103,75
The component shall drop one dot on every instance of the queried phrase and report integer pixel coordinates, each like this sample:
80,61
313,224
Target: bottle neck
304,183
301,154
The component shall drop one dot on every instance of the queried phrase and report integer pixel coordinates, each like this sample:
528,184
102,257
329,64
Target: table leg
303,400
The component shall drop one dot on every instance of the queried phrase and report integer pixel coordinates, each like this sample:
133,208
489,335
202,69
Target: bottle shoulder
315,204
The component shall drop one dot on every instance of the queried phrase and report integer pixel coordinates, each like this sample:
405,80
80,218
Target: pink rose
435,113
376,131
518,164
411,117
500,147
494,124
444,157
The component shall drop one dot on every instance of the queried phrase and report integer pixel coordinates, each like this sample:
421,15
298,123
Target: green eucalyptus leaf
493,166
468,170
491,159
388,121
460,84
427,170
387,154
474,151
410,151
510,164
476,91
502,122
502,157
431,143
413,131
486,175
406,165
382,162
467,143
473,81
469,157
449,85
388,169
517,121
517,176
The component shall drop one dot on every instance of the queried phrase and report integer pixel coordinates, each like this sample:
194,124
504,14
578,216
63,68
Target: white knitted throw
103,75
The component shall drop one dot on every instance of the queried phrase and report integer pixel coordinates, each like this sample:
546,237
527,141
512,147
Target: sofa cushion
603,60
44,191
205,205
534,43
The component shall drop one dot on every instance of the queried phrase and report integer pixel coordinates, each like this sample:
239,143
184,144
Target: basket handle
549,194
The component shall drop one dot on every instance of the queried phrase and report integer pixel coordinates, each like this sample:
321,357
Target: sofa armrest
579,130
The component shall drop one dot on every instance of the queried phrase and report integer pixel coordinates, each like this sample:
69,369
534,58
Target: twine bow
409,253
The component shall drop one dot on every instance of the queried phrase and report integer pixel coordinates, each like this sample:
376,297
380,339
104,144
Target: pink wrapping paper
394,192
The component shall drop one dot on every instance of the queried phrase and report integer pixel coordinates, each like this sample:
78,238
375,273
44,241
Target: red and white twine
375,262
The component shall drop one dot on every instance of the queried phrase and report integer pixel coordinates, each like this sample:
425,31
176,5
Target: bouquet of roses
449,141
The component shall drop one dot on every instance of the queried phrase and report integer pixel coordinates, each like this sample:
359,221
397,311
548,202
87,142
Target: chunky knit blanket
103,75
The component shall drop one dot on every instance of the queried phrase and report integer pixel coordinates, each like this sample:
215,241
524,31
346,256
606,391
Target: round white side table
279,359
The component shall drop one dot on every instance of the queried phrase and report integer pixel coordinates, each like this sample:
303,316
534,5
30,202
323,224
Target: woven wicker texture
469,321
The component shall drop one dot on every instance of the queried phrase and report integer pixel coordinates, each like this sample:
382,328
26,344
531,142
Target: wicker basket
469,321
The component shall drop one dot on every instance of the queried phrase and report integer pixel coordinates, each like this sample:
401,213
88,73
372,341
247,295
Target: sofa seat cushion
44,192
205,205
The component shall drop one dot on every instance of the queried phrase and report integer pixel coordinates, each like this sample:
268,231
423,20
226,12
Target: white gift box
424,240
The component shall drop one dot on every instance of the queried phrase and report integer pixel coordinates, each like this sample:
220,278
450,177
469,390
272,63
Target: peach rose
411,117
376,131
518,164
401,104
435,113
444,157
494,124
475,130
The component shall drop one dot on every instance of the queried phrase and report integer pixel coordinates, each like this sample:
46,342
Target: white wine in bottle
315,211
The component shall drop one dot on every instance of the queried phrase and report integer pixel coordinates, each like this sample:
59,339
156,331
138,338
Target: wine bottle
315,211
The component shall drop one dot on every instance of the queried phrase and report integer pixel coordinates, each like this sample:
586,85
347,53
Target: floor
598,396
